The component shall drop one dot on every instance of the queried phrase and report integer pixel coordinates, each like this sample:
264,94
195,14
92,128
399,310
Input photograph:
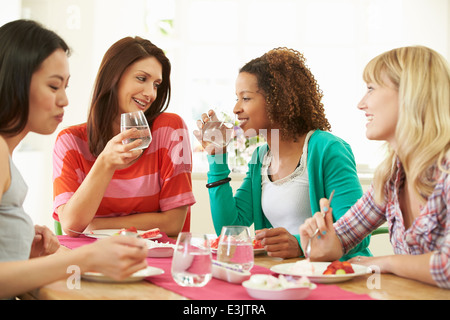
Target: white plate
135,277
103,233
319,268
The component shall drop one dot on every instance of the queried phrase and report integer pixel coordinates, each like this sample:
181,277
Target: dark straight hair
105,101
24,45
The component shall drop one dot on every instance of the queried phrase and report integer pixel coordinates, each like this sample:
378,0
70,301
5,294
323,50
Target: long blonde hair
422,77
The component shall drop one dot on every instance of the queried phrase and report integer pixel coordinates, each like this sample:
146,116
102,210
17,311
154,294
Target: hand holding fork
303,231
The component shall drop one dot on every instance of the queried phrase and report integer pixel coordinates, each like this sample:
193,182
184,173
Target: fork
308,247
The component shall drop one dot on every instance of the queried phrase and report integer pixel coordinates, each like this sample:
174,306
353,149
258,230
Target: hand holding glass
136,120
235,247
191,262
217,133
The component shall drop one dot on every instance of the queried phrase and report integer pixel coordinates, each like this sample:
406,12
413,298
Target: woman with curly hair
278,97
407,104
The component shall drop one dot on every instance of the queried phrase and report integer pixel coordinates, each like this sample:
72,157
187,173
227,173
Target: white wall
10,10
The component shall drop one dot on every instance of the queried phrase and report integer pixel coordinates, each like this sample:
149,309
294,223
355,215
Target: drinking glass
136,120
235,247
217,133
191,262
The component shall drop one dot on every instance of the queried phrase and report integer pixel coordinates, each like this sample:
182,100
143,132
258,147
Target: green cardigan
331,166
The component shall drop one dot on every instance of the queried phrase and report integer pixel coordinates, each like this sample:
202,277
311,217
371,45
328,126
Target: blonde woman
407,104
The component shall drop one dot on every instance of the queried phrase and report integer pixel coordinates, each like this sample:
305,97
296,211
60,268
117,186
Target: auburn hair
104,107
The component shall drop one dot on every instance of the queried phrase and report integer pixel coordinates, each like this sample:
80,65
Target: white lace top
285,202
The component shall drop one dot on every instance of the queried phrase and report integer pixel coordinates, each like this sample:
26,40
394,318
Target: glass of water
136,120
235,247
191,262
217,133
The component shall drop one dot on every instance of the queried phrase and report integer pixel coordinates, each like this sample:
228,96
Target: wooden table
391,287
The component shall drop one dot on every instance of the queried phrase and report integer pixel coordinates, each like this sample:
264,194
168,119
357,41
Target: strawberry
215,243
338,267
151,233
257,244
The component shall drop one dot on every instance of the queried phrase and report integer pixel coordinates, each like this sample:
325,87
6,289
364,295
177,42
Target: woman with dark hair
278,97
18,62
34,74
100,183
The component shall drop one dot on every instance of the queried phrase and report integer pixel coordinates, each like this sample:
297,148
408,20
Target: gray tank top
16,227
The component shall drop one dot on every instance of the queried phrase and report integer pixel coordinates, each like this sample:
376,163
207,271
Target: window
209,40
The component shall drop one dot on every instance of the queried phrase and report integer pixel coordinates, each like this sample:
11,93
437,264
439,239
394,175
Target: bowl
255,290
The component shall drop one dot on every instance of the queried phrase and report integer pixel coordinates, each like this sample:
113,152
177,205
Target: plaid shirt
430,232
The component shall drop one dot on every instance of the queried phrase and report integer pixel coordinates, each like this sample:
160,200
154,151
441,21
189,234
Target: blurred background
208,41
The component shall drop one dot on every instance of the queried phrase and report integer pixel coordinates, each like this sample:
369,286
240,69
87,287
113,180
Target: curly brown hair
292,94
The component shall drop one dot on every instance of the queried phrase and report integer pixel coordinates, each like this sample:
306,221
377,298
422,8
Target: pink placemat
73,243
216,289
221,290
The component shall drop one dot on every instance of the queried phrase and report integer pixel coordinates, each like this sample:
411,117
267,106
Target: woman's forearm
170,222
22,276
81,208
116,257
416,267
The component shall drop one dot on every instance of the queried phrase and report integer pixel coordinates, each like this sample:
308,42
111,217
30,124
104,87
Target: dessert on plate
339,267
304,267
